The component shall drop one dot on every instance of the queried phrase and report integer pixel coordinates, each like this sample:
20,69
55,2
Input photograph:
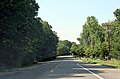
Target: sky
68,16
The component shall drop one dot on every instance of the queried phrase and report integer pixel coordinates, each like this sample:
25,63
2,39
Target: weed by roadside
114,63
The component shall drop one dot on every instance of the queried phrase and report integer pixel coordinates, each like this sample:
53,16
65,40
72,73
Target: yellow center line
54,68
51,70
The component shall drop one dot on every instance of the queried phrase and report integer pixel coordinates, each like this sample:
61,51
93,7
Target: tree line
24,38
100,40
96,40
64,47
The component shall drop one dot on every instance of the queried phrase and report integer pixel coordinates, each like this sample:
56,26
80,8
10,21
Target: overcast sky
68,16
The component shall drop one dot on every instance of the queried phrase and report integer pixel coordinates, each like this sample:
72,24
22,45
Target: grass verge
3,69
113,63
25,67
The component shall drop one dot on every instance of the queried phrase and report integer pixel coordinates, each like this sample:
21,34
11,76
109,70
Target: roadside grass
3,69
113,63
25,67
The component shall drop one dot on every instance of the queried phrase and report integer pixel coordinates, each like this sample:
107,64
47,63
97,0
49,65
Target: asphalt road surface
64,67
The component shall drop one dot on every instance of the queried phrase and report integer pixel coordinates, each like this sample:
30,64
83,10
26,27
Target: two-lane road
64,67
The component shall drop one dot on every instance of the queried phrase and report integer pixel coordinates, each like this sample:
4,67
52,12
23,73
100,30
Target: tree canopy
63,47
24,37
95,38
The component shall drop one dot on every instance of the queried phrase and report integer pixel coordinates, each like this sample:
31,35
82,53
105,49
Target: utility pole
108,31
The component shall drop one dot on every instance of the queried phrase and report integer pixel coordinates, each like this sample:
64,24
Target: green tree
94,38
91,38
24,37
77,50
50,41
16,18
63,47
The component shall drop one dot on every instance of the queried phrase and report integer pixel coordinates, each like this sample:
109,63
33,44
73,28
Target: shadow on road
62,67
69,69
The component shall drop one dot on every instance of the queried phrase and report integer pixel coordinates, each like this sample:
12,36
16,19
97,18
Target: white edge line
90,71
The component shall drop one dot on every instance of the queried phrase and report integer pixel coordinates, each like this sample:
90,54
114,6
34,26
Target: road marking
90,71
56,66
51,70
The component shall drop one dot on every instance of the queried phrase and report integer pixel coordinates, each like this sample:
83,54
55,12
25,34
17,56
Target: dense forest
24,38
